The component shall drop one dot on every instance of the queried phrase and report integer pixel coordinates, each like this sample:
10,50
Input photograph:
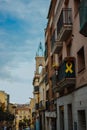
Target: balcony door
70,119
82,120
61,118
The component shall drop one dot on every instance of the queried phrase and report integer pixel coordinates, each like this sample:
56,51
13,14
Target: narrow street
43,64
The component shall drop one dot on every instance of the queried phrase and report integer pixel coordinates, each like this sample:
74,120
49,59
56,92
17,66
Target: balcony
36,89
83,18
37,106
42,105
66,74
47,105
33,114
54,80
56,46
64,25
45,54
46,78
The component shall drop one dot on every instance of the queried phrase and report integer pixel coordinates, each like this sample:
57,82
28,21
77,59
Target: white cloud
18,47
21,9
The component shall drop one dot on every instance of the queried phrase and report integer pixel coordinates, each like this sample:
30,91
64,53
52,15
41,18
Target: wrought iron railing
37,106
46,79
52,40
64,19
47,105
54,79
42,104
46,52
36,88
66,69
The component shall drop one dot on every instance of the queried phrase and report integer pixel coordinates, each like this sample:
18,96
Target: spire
40,50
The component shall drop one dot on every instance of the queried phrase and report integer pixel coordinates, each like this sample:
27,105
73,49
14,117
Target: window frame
81,55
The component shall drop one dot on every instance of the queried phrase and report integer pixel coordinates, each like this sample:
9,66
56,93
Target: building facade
66,48
65,77
39,89
12,110
32,111
22,116
4,100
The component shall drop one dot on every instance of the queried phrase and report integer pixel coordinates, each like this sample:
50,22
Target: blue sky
22,24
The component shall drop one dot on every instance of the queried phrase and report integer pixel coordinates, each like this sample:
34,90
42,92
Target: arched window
40,69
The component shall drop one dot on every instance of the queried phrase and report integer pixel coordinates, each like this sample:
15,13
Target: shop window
81,59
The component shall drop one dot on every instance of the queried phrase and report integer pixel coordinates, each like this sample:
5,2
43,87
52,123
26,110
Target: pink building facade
68,50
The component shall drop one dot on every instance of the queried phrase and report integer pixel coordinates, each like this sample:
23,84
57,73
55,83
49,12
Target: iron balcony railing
64,24
55,45
54,79
47,105
66,73
46,52
37,106
52,41
42,104
67,69
36,89
46,78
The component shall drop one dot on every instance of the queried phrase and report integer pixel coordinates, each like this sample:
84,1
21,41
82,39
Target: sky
22,24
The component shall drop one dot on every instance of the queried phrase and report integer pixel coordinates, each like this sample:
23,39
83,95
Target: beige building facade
39,89
22,114
12,110
4,100
32,110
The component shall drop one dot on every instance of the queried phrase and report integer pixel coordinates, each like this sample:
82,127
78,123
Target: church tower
40,62
39,58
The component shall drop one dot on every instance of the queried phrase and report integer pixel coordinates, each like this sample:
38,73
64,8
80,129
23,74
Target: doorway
70,118
81,120
61,117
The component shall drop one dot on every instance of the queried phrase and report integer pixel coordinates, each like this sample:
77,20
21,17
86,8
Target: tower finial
40,50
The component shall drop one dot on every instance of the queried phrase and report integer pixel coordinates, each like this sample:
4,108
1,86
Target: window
51,60
76,6
81,120
40,69
47,68
69,49
70,118
81,59
61,113
46,51
60,58
66,2
47,94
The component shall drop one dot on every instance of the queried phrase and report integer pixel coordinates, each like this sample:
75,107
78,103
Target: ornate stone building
39,89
